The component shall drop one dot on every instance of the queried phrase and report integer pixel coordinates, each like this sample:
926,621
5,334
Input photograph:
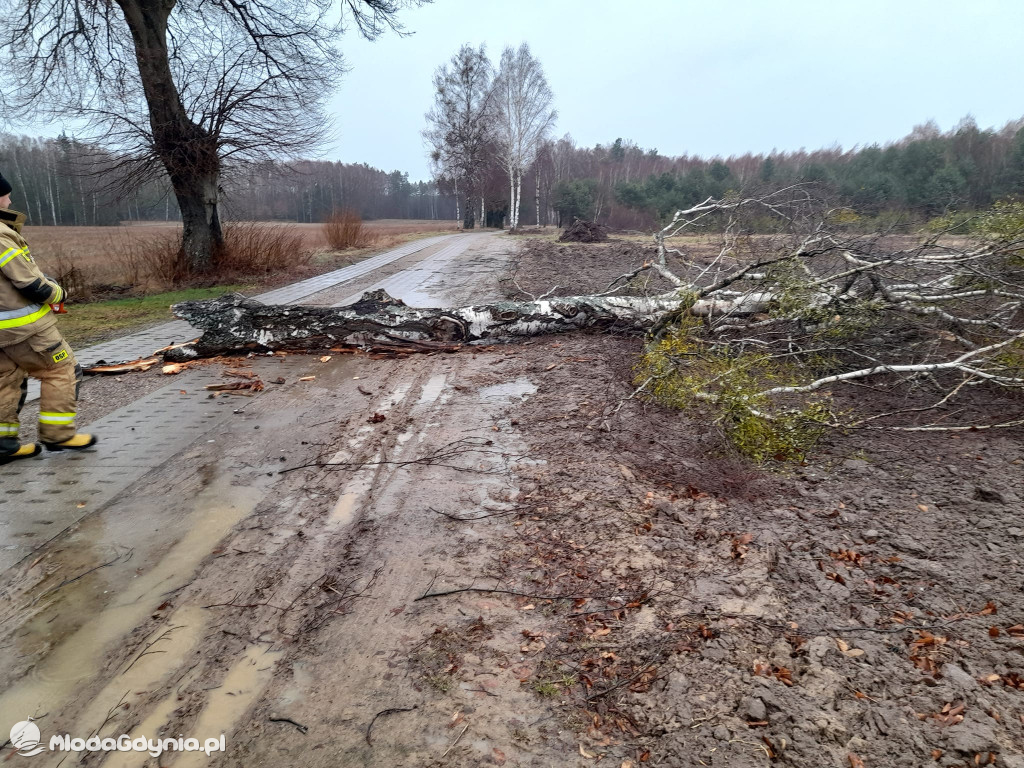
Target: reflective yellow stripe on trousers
48,417
8,429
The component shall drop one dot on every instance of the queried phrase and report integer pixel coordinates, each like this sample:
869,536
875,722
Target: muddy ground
509,562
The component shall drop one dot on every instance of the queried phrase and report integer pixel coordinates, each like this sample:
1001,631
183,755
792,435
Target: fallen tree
792,303
235,323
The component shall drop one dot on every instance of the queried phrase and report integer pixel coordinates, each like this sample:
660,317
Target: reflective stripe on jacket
25,292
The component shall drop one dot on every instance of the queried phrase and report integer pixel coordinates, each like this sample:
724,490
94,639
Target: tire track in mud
313,527
238,571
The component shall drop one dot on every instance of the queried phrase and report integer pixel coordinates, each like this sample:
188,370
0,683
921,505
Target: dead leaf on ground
782,674
848,556
855,761
740,545
846,650
949,715
377,418
325,358
499,756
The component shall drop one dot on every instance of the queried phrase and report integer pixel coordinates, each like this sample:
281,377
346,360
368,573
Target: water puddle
241,687
432,389
77,658
508,390
160,653
357,487
150,728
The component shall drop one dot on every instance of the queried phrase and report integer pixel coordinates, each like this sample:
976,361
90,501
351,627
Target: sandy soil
511,563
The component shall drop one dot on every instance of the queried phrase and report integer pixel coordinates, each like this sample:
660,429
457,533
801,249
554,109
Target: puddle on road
160,653
76,658
357,487
508,390
432,389
241,687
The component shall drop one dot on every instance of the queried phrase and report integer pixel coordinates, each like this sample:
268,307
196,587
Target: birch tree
460,123
523,118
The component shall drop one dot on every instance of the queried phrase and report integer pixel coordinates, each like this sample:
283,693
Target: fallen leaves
846,650
741,545
848,556
951,714
782,674
589,755
377,418
925,651
855,761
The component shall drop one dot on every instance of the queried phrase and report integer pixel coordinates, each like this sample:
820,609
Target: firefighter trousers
47,357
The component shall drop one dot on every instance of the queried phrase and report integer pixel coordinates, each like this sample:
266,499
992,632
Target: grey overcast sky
715,77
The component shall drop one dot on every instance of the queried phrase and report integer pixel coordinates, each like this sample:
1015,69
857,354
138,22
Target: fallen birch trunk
234,323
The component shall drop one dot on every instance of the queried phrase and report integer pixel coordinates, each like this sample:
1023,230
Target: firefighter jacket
25,293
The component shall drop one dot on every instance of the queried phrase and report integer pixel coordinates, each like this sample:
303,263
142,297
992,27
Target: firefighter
31,345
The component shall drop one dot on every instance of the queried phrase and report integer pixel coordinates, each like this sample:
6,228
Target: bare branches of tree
523,117
187,89
459,126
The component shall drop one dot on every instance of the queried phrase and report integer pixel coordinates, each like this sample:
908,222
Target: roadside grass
101,320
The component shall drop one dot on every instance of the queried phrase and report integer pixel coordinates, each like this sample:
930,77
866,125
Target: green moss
682,371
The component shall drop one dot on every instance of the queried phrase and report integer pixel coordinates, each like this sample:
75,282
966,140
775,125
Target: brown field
96,259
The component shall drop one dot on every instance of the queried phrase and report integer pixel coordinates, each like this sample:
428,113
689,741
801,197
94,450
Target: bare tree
184,88
524,117
460,123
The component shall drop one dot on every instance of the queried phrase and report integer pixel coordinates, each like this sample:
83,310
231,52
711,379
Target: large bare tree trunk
235,323
187,151
511,203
